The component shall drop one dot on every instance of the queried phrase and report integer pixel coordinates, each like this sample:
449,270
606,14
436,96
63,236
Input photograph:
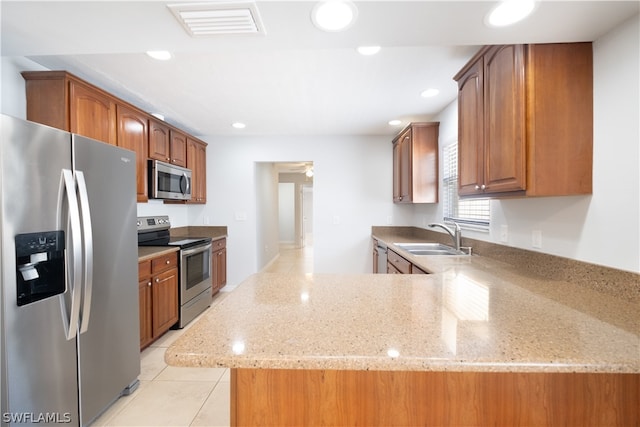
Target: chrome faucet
456,234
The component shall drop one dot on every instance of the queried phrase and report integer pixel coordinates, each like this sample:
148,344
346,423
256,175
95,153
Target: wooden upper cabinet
197,162
167,144
526,121
504,130
415,164
471,129
159,146
133,135
178,148
60,100
92,113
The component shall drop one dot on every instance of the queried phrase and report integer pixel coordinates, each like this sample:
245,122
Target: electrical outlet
536,239
504,233
389,220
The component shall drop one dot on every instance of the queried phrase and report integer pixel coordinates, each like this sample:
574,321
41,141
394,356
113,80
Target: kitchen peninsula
477,343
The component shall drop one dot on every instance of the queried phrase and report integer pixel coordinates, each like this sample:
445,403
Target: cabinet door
396,171
165,301
504,119
145,301
470,130
133,135
219,267
197,162
406,167
159,147
202,173
178,148
92,114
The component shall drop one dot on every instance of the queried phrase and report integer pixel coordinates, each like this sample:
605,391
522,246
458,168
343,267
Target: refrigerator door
39,368
109,342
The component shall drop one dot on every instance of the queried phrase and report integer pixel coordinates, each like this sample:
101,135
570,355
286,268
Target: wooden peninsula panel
279,397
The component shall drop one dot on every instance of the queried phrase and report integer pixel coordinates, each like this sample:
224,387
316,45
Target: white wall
267,226
602,228
352,192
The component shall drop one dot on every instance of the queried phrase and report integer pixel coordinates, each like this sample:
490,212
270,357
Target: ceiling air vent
213,18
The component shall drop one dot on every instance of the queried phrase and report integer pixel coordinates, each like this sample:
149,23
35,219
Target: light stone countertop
148,252
473,314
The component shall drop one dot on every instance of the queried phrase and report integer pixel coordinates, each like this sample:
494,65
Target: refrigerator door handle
70,317
87,234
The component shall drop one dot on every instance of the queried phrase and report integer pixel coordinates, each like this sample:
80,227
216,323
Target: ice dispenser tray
40,262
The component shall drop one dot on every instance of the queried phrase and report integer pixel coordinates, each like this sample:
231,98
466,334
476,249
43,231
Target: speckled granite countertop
148,252
473,314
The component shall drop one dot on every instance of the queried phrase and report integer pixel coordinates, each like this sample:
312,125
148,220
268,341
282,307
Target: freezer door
39,365
109,339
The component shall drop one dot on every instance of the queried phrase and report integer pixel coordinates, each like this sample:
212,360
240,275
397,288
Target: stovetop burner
154,231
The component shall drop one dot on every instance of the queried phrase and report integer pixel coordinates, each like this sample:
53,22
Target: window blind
470,212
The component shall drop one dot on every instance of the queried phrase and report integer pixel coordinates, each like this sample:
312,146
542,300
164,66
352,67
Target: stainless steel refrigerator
70,335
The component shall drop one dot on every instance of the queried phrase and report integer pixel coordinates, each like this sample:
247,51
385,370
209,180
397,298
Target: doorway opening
284,207
295,204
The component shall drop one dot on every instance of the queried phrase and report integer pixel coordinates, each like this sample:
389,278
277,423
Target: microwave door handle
88,251
184,180
72,220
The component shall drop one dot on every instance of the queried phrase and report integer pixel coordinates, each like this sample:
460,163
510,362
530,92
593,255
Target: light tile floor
187,397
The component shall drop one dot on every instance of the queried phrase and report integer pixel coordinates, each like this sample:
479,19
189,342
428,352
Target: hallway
292,260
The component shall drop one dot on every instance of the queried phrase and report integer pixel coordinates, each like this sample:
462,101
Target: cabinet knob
157,280
477,187
168,159
149,284
483,186
168,262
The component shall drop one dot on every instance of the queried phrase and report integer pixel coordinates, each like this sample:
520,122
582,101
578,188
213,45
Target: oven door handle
195,250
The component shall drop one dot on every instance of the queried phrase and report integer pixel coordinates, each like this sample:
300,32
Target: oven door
195,272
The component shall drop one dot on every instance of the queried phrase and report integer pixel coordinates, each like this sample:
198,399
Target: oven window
198,268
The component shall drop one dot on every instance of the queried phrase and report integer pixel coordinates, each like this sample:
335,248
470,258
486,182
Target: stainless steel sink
428,249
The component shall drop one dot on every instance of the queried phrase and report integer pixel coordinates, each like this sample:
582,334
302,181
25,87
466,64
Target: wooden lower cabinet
396,264
158,292
288,397
218,265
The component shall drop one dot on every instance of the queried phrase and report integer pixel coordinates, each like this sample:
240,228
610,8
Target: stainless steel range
195,264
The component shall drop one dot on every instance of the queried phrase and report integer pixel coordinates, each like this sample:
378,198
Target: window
469,213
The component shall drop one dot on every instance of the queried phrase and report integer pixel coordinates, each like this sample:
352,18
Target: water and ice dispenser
40,266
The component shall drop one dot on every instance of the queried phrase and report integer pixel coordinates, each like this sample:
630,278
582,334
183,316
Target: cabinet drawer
219,244
164,262
144,269
401,264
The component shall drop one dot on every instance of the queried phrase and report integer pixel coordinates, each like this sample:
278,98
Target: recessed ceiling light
509,12
161,55
395,122
429,93
239,125
368,50
334,15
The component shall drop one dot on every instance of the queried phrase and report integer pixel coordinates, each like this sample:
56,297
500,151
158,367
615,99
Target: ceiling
295,79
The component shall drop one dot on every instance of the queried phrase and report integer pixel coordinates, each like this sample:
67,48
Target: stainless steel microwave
168,181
